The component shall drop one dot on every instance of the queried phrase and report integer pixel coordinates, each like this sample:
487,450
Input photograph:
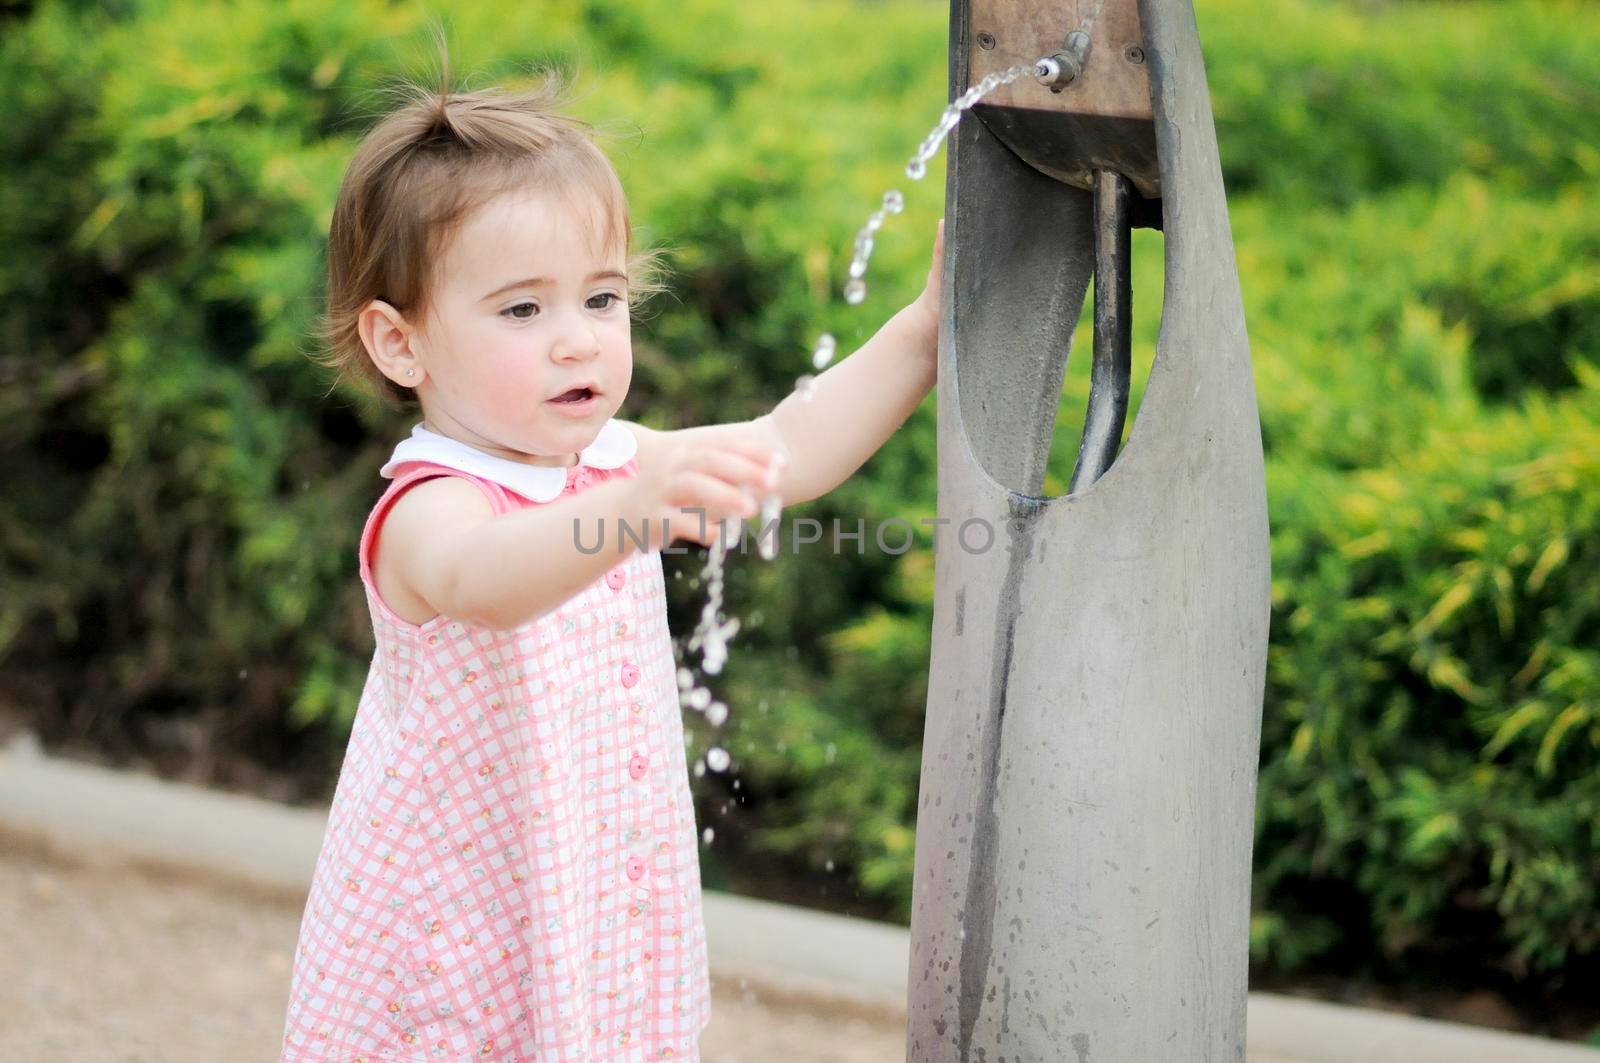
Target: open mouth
576,395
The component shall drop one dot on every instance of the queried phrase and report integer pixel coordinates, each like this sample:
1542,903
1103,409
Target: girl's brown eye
512,310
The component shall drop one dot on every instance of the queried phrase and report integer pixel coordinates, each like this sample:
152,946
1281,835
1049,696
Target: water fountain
1088,776
1087,799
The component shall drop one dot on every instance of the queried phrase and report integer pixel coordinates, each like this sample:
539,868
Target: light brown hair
420,172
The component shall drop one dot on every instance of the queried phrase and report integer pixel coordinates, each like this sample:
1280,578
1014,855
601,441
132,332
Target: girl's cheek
516,387
506,380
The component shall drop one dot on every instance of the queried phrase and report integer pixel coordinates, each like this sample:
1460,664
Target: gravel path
114,961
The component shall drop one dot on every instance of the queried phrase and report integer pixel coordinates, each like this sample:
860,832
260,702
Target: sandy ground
105,960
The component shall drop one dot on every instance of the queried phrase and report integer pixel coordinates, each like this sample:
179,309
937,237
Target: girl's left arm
860,401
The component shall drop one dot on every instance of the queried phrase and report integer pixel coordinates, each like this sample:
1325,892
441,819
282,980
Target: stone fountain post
1087,798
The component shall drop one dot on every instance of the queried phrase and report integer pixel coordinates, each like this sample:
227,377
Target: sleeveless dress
511,865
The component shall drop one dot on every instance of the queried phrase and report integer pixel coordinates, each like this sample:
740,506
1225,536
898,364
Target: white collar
612,448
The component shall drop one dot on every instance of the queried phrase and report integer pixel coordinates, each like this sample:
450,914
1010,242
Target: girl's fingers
755,459
718,499
740,470
760,443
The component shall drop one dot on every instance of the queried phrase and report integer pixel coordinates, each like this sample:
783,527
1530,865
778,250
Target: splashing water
894,202
771,510
823,353
917,168
712,632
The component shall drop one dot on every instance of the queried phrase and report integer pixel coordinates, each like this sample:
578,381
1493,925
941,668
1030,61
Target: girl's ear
390,343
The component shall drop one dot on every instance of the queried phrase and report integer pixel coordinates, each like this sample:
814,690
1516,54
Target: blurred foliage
1416,234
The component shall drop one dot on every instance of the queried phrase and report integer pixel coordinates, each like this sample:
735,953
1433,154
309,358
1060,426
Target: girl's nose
578,338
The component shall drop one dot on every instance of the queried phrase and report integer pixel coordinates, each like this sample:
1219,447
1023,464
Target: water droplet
771,510
828,866
893,201
855,291
699,767
805,385
716,713
826,346
915,169
858,266
707,834
874,221
717,758
685,679
699,698
829,753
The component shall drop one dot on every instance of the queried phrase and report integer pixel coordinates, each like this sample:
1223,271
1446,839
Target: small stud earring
411,372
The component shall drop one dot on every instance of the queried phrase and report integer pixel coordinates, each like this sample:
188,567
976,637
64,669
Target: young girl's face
525,310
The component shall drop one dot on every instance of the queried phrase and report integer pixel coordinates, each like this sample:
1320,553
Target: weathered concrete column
1088,780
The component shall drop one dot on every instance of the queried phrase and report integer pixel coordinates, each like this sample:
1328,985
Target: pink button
636,765
630,674
635,868
616,578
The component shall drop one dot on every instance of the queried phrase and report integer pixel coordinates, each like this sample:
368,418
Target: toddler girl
510,865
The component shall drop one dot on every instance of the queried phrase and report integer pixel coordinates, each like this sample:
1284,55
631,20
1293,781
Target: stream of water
713,631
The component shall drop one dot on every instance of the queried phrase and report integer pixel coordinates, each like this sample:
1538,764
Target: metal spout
1055,72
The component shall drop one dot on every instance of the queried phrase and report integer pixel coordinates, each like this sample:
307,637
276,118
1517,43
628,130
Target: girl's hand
927,304
723,470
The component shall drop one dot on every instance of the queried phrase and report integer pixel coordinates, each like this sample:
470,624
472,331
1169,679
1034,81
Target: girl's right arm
450,550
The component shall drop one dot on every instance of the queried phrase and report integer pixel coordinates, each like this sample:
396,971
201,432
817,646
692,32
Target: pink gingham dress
510,869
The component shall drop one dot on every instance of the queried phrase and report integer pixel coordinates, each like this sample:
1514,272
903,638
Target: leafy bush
1434,712
1330,102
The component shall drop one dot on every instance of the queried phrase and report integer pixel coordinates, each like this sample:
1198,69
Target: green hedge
1416,234
1434,679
